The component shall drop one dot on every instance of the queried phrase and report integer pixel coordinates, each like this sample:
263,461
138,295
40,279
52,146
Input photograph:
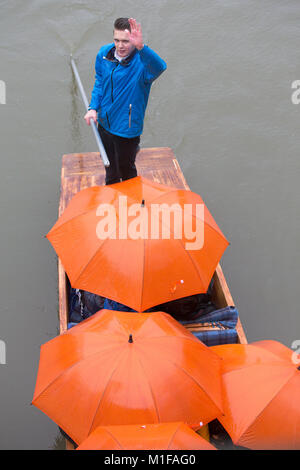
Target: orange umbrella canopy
163,436
138,242
262,390
119,368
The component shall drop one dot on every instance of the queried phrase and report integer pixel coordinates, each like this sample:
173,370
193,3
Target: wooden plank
62,279
81,170
62,298
69,445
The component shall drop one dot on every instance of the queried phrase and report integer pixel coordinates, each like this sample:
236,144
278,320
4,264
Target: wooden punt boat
82,170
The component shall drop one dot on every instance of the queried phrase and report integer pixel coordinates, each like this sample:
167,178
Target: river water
224,106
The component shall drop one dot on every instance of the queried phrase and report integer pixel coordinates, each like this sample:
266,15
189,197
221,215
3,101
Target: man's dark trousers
121,153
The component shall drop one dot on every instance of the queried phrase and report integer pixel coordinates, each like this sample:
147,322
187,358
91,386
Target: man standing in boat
125,71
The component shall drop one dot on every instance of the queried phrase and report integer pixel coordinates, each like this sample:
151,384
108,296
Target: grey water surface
224,106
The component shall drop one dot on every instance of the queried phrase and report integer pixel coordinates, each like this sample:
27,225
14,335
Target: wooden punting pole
86,104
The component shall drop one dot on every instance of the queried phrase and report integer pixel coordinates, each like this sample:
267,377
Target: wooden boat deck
82,170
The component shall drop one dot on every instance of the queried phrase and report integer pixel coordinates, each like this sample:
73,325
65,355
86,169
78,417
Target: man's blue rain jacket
121,90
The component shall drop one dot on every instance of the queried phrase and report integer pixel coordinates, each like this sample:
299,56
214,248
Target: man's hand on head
135,35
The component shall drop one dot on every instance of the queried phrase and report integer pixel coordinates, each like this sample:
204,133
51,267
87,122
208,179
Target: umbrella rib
69,368
194,341
53,230
79,215
122,193
188,254
269,402
149,384
97,249
275,359
163,194
103,393
143,274
173,436
175,210
113,437
91,259
212,228
194,380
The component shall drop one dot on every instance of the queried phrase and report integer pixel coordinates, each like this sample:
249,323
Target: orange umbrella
262,390
125,242
163,436
120,368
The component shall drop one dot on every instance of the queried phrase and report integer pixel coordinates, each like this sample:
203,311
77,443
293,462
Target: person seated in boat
83,304
185,308
125,71
194,311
